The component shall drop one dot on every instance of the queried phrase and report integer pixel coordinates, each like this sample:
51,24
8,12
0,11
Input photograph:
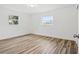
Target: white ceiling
37,9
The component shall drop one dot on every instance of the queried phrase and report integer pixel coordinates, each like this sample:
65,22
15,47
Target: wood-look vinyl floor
36,44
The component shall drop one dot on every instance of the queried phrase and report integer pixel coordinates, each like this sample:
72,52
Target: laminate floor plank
37,44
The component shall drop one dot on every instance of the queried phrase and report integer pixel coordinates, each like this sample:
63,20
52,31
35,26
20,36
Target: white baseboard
9,37
61,37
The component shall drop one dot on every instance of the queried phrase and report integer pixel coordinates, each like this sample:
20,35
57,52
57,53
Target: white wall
64,24
78,29
6,30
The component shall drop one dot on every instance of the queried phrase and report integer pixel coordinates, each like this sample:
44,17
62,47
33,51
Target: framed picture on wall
13,20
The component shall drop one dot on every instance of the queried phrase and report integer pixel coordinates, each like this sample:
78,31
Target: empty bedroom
39,29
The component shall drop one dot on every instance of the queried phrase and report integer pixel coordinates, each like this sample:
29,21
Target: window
47,19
